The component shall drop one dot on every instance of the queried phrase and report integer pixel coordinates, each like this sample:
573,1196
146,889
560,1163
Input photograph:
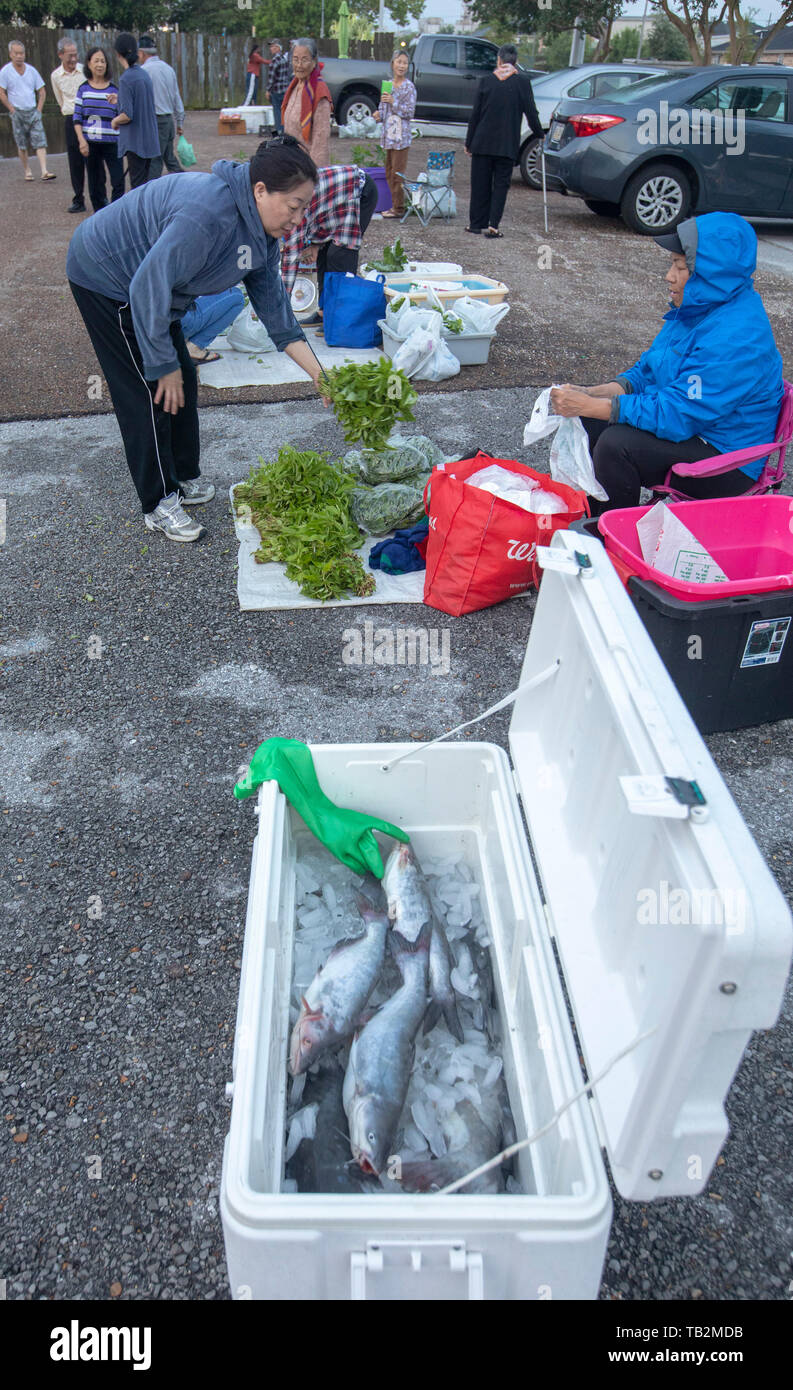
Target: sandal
29,177
206,356
390,213
46,178
491,235
475,231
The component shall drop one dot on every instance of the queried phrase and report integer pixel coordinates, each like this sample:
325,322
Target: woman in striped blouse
94,108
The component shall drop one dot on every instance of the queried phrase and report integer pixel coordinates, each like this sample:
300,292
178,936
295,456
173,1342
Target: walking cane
544,189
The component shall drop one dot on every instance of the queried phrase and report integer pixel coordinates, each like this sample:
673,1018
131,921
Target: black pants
103,160
333,257
491,176
162,450
76,160
627,459
138,169
166,129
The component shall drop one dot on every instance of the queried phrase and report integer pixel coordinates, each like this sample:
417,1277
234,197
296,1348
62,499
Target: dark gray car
716,139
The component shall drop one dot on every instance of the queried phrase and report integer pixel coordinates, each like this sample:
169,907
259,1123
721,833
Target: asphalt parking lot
132,688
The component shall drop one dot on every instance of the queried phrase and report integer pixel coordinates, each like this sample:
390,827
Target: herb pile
394,258
300,505
368,399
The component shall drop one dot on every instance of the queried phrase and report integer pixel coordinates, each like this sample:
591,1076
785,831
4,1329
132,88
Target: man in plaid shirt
280,75
331,231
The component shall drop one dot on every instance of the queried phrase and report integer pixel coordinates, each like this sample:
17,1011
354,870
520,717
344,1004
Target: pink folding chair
772,475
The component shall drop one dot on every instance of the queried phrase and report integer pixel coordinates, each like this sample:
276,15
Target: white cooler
635,886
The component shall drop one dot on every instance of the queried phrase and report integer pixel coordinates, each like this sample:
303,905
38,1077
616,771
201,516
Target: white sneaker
170,517
195,490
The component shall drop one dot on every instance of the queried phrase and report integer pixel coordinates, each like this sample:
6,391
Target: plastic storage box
749,537
592,744
470,349
731,659
475,286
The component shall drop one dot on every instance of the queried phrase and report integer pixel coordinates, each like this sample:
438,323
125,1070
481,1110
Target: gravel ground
587,314
119,758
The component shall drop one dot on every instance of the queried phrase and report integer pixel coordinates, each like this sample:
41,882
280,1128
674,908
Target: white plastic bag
477,316
520,491
248,333
571,461
424,354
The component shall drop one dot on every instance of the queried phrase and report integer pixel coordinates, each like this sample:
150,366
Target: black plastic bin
731,659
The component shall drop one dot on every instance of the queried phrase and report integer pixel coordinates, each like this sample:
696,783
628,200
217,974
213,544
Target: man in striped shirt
332,229
65,82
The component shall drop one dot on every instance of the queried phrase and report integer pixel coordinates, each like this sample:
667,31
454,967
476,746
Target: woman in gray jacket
137,266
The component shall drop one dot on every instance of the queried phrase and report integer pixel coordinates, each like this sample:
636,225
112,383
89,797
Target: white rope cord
502,704
538,1133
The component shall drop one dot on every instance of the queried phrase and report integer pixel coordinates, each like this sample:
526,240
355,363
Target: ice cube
303,1125
296,1091
311,918
493,1073
426,1120
308,882
329,897
415,1141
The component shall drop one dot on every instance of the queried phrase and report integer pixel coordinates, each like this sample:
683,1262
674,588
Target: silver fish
410,909
381,1059
409,904
332,1004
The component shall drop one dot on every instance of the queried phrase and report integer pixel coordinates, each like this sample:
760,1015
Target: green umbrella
344,30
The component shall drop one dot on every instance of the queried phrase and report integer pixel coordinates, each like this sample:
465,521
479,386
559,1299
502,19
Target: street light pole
322,21
641,32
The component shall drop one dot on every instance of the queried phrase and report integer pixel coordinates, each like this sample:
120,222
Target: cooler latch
370,1261
675,798
578,563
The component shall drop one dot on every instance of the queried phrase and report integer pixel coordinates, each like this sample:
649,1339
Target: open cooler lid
666,918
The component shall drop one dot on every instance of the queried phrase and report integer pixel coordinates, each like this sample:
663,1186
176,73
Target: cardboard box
231,125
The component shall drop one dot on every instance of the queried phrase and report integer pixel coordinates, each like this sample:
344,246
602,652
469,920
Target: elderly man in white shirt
66,81
167,105
22,93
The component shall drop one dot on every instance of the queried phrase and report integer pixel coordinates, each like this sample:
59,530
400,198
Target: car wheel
656,199
356,107
603,209
531,162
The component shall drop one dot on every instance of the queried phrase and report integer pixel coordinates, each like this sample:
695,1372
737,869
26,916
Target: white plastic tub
591,745
470,349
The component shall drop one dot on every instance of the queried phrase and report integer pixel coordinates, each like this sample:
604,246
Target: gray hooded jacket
165,243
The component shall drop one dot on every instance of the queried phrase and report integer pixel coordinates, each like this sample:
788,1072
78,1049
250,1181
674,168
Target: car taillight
593,125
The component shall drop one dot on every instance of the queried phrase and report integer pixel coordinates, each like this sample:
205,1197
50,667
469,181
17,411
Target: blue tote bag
352,307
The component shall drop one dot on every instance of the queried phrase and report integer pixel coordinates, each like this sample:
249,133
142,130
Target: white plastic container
470,349
591,745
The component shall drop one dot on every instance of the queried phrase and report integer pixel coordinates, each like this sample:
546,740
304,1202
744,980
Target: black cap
147,44
670,243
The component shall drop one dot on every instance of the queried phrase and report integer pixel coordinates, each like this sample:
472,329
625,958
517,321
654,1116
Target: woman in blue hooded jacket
710,383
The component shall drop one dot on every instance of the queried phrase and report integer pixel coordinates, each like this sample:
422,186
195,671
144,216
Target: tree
665,43
552,17
213,16
625,44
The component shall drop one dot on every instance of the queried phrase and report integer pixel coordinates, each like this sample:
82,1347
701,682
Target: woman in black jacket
493,139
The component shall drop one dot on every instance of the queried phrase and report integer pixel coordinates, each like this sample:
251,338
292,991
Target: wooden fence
210,68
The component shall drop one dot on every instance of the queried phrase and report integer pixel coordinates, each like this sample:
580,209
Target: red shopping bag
482,549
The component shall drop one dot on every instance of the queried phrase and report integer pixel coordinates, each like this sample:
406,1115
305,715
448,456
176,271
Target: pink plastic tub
751,538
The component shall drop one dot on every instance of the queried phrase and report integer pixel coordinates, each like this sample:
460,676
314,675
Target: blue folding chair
431,196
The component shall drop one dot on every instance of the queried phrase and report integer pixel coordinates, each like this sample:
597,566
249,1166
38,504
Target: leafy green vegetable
394,258
368,158
368,399
452,323
300,505
388,506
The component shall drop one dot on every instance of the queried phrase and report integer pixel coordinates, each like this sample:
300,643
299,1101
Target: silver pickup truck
443,67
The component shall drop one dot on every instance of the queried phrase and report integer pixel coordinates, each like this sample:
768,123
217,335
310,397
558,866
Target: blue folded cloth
398,554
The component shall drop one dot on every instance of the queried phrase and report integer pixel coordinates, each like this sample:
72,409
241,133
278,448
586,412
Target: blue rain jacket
714,369
162,245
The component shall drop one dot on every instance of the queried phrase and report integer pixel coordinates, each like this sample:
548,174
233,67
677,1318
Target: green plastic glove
347,834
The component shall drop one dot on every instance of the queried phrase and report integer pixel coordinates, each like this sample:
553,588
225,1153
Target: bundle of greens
394,258
368,398
452,323
300,505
